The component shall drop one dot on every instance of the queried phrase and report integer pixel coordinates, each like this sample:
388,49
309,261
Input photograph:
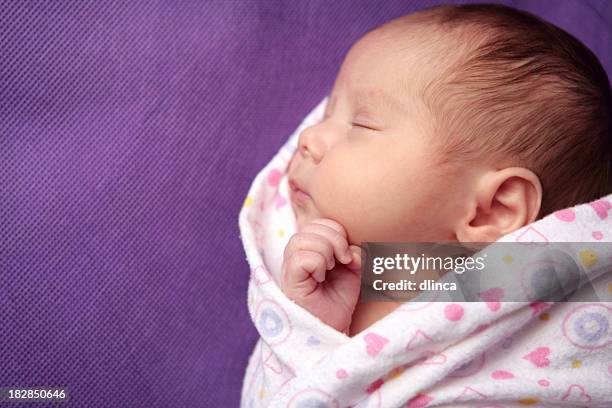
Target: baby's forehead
379,64
422,35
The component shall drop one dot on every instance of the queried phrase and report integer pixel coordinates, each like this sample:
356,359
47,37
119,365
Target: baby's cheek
343,205
293,162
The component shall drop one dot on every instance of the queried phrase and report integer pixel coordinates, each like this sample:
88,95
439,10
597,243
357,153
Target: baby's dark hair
523,89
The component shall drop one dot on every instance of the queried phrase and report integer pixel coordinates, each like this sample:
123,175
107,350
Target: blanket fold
454,354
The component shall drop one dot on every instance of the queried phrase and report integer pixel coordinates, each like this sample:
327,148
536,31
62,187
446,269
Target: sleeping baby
452,124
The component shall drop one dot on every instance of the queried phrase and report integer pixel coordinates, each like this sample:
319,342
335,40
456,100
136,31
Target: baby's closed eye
363,126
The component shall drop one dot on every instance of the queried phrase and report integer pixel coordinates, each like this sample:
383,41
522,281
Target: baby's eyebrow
375,98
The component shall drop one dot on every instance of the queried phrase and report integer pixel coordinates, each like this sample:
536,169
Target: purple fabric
129,135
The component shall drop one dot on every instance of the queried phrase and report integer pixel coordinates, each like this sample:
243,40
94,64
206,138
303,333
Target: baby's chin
356,224
358,232
303,215
303,218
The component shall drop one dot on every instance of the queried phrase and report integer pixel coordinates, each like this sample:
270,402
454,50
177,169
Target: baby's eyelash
353,124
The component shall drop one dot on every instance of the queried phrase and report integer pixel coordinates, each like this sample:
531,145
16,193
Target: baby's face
370,164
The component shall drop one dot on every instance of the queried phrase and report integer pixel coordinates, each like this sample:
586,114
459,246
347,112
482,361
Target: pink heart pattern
374,343
274,177
601,208
567,215
538,357
492,298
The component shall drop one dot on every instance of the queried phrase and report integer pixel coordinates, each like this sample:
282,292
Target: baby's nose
311,145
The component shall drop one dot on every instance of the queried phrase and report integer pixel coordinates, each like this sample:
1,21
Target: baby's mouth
298,195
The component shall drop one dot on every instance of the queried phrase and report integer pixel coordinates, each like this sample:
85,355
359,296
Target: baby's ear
504,201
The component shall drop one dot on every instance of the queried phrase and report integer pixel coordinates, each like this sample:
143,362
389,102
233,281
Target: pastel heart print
538,357
492,298
501,375
532,236
601,208
567,215
274,177
341,373
374,343
576,393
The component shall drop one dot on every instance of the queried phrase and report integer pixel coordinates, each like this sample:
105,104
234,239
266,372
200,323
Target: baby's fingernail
348,257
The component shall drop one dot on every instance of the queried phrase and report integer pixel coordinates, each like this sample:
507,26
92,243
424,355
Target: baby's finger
355,263
305,241
332,224
334,238
304,265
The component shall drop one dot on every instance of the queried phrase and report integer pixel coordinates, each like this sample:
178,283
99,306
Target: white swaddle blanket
479,354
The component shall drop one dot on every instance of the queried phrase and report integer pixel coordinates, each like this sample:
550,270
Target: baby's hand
314,280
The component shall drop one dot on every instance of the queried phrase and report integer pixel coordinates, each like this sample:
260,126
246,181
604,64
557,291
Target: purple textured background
129,135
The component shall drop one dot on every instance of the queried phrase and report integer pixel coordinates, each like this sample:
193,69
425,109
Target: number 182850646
15,394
